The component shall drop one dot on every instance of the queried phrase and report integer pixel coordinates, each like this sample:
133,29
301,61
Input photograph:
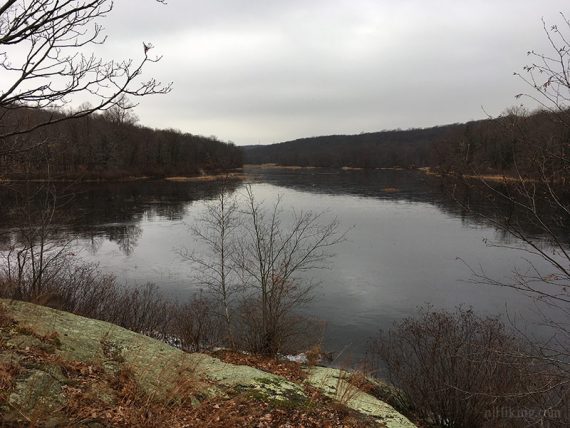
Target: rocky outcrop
47,356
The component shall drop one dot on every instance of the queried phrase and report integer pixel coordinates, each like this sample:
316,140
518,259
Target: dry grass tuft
314,355
8,373
349,384
5,319
242,411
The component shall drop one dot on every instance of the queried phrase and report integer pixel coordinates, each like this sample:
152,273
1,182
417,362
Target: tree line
503,145
397,148
107,145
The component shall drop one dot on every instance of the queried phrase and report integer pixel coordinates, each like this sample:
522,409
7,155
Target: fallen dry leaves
289,370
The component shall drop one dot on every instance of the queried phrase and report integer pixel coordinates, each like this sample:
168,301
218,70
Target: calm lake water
408,243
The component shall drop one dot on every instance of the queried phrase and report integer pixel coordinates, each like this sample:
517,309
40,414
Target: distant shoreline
240,174
297,167
234,175
494,177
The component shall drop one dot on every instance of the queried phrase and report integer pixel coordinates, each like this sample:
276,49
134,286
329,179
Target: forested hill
498,145
396,148
106,146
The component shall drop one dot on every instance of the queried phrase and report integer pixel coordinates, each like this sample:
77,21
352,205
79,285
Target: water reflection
115,211
474,204
95,212
409,232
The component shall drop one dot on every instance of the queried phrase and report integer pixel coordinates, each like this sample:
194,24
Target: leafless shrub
456,369
144,310
86,290
67,284
289,333
198,325
81,288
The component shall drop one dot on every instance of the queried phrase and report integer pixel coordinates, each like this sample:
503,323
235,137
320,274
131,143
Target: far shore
239,174
277,166
496,178
213,177
297,167
179,178
491,177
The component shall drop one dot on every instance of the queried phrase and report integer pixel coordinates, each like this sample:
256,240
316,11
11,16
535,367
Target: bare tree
37,253
538,199
216,230
121,112
43,65
271,258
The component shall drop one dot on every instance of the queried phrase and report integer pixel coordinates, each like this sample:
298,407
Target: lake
409,242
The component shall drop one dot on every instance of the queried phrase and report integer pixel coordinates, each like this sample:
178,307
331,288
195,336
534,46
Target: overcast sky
266,71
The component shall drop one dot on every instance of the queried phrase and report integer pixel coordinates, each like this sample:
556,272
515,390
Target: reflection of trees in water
126,236
474,205
94,212
380,184
169,212
93,243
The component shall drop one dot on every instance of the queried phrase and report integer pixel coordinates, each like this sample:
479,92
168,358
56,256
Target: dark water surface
408,243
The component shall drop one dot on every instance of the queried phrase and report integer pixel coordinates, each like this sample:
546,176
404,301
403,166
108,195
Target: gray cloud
267,71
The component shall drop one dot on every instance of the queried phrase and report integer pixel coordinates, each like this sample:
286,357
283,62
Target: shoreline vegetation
240,174
271,165
494,177
236,174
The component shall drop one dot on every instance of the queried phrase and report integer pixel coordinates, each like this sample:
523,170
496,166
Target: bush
457,369
290,333
198,325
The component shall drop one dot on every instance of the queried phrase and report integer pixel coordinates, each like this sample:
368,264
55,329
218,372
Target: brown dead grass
289,370
350,384
212,177
314,355
5,319
8,373
494,178
276,166
96,396
51,339
131,407
242,411
134,408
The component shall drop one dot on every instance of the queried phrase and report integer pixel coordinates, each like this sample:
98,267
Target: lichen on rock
330,381
59,362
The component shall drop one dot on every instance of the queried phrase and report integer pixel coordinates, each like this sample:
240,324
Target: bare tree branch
44,67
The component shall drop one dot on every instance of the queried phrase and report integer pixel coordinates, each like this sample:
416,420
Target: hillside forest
509,144
109,145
